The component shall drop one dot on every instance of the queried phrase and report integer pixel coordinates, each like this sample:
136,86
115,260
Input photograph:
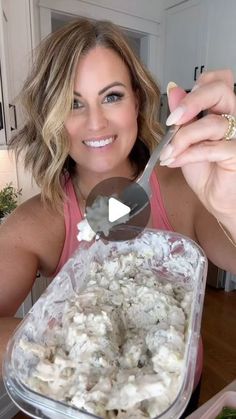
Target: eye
113,97
77,104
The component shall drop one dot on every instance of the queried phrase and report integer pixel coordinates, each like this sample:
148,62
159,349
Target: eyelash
117,96
77,104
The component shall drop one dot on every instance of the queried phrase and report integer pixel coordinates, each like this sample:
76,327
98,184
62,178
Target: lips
102,142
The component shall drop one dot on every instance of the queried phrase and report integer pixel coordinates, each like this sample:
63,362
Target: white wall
147,9
25,180
7,169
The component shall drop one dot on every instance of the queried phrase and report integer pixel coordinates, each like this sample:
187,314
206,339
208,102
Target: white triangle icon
116,209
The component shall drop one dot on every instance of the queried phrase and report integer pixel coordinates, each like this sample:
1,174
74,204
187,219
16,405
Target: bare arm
217,246
189,217
18,266
7,327
31,239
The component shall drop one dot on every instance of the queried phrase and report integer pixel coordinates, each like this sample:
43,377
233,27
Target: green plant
8,199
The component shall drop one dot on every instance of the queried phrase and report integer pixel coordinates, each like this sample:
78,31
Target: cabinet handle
202,68
15,119
1,117
195,73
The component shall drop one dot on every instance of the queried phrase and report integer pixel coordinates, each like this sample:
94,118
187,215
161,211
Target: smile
99,143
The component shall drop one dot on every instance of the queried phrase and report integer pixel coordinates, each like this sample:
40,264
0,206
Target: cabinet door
4,113
17,50
2,118
39,287
183,42
221,51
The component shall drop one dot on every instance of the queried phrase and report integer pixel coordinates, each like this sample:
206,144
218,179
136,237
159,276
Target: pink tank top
73,215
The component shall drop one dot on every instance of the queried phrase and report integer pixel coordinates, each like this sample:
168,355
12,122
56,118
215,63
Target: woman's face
103,123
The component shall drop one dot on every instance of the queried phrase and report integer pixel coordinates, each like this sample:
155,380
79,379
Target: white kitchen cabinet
221,36
184,31
2,114
15,56
4,110
198,35
17,44
40,284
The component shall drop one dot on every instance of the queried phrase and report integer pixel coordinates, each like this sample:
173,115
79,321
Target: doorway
137,40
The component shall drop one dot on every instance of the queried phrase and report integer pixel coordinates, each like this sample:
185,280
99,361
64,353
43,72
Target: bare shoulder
180,202
37,228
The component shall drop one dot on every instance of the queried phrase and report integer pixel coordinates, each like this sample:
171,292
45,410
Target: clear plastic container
174,259
213,407
228,399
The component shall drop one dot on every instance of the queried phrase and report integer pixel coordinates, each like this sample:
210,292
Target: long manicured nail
166,162
170,86
166,152
175,116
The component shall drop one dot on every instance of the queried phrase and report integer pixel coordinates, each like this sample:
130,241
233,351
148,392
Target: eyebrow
115,83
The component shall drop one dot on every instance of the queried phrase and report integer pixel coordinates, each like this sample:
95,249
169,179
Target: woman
88,103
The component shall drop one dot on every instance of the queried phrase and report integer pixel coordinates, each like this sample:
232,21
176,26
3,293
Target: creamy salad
98,216
118,350
98,222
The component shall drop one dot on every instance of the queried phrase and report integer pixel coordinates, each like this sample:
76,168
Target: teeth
100,143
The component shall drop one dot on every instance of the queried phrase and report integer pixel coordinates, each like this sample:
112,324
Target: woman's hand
207,160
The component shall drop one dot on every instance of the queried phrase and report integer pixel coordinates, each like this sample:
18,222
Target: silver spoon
136,195
131,195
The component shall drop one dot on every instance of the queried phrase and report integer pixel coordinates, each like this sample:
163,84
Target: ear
175,95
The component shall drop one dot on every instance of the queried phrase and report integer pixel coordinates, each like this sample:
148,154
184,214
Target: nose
97,119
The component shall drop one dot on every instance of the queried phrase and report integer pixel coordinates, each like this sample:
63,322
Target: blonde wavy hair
47,98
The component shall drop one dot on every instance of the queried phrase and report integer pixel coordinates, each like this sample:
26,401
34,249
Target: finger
211,127
222,152
225,76
175,95
216,96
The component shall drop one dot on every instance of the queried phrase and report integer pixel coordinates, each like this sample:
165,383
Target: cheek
129,120
70,127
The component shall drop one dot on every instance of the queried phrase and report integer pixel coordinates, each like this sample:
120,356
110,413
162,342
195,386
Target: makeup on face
102,124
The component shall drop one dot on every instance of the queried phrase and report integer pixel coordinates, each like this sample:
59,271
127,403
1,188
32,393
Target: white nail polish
175,116
170,86
166,152
166,162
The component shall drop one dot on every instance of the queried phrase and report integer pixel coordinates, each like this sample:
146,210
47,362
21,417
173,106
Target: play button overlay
109,209
117,210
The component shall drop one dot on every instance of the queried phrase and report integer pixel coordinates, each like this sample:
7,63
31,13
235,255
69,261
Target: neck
85,180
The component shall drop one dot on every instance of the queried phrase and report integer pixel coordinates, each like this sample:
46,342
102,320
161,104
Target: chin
106,171
107,167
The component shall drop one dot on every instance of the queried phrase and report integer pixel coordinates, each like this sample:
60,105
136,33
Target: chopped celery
226,413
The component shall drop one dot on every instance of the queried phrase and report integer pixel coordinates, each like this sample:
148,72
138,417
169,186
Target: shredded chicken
119,348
